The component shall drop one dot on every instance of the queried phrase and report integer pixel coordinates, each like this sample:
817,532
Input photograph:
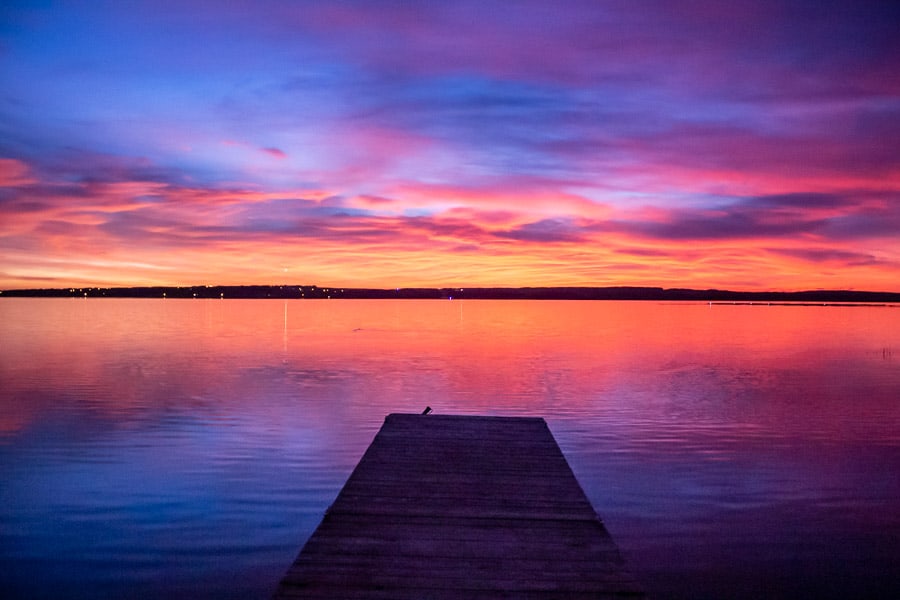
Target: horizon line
312,291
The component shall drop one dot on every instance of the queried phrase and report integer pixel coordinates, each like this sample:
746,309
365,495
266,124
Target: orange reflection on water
688,425
383,356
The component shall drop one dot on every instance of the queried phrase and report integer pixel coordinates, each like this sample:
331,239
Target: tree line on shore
479,293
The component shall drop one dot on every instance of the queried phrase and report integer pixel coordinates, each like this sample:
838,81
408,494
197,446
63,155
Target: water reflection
186,448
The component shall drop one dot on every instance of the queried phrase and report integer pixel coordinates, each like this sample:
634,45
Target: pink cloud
134,232
14,172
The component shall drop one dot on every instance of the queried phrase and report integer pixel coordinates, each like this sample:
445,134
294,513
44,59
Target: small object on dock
427,410
460,507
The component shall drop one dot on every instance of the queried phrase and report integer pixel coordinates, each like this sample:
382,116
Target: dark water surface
187,448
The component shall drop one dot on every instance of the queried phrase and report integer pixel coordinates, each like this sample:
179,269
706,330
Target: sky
703,144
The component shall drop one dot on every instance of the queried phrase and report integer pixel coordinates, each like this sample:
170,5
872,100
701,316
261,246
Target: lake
187,448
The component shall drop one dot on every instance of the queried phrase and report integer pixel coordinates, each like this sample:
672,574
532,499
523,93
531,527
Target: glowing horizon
432,145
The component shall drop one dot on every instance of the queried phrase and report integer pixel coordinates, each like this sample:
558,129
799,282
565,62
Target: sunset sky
741,145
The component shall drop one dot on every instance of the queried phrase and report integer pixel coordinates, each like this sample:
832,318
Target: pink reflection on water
690,426
776,367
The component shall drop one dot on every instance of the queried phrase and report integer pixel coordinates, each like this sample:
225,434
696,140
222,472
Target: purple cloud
828,255
544,231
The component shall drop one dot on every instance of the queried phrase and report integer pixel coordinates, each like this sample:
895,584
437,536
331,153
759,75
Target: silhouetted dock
460,507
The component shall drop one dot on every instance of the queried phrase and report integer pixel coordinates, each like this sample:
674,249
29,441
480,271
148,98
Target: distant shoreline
811,297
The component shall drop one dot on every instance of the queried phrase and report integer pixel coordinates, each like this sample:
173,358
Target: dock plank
444,506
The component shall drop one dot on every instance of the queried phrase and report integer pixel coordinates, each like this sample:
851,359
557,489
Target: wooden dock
447,506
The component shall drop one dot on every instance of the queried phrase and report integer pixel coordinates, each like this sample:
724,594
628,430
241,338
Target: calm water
187,448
